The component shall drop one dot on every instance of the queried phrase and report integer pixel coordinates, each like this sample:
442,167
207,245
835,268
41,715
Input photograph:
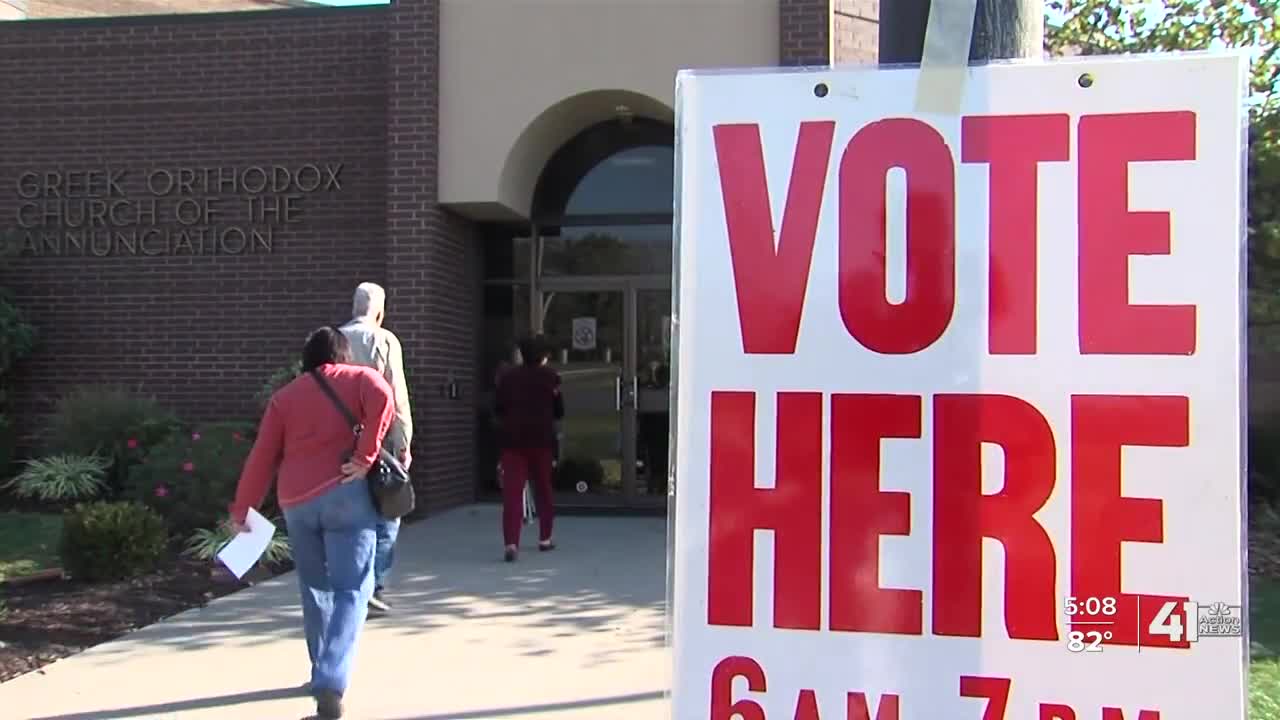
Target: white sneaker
378,606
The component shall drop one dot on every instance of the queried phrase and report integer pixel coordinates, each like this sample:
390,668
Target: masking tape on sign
944,66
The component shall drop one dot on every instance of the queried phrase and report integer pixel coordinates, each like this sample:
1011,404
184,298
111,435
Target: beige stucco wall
519,78
855,36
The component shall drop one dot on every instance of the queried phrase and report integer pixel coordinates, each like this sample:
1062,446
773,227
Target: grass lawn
28,543
1264,629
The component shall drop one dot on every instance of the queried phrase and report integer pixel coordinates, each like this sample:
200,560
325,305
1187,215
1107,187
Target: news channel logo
1188,621
1197,620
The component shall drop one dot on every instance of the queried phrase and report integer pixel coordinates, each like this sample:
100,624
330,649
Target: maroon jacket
528,404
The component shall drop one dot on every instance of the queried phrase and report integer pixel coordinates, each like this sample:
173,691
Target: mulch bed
41,622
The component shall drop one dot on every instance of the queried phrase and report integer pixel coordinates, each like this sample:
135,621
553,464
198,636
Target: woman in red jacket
306,445
527,406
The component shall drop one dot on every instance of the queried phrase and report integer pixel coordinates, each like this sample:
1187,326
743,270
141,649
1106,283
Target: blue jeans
386,553
332,538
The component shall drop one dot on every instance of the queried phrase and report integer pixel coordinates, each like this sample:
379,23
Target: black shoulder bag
389,486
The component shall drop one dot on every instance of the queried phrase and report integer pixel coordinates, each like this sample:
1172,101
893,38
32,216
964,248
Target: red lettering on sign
792,509
923,316
1050,711
1056,712
771,284
1101,517
963,515
807,706
861,513
1118,714
723,706
858,708
1110,233
1014,146
995,690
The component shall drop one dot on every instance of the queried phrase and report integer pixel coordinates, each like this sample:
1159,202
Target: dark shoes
328,705
512,551
378,605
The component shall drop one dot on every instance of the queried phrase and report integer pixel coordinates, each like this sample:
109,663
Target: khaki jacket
379,348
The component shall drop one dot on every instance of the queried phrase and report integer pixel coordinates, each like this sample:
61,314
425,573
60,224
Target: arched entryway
595,267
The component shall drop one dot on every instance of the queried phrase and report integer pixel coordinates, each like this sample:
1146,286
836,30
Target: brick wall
202,332
805,26
433,260
856,31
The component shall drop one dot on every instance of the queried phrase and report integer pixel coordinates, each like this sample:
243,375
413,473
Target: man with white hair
378,347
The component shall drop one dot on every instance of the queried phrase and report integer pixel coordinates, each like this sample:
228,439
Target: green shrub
573,470
17,336
17,339
281,377
112,541
1264,461
61,478
205,544
190,479
8,444
110,422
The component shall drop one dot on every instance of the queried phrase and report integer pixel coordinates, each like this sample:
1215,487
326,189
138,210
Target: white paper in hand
243,551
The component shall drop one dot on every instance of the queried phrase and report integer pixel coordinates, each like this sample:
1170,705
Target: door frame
628,391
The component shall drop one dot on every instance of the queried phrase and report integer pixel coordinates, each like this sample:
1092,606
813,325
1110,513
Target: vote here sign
959,401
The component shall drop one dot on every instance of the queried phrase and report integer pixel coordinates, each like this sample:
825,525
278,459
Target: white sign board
960,397
584,333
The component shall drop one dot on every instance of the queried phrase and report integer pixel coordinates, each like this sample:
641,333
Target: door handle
617,392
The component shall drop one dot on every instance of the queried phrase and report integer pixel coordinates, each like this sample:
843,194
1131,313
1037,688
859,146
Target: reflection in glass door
587,337
653,394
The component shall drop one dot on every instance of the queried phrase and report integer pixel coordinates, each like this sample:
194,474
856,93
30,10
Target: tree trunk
1005,29
1002,29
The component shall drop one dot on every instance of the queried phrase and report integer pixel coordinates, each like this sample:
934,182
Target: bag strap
356,426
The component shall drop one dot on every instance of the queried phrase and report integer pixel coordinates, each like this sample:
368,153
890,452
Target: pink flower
188,466
195,436
132,443
237,436
161,491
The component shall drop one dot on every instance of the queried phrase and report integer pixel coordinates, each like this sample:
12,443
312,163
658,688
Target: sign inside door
584,333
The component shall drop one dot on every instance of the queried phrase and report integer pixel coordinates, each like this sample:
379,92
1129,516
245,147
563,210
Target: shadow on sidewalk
179,706
446,565
545,707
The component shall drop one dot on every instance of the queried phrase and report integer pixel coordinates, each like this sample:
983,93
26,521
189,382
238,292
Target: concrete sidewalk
572,634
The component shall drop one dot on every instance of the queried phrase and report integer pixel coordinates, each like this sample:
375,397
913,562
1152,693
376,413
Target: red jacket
528,404
304,440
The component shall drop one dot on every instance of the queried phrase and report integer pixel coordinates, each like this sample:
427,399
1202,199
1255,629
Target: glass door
587,335
653,389
610,340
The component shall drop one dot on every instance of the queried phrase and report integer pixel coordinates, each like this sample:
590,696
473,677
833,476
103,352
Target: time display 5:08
1090,606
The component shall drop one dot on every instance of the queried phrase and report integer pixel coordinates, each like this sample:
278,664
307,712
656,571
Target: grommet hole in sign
1085,80
821,90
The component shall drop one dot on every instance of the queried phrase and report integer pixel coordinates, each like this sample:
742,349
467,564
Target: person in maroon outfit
527,406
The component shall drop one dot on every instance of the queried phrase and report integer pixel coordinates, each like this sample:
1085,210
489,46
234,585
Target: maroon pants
521,465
